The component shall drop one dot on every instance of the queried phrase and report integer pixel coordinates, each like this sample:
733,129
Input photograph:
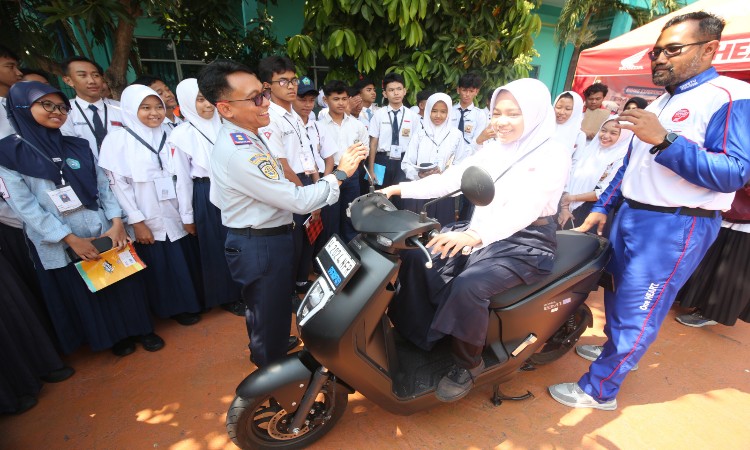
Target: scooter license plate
337,263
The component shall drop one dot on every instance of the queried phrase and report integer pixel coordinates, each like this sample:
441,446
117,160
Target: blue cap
305,87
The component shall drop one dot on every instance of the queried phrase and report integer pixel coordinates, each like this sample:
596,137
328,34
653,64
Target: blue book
379,173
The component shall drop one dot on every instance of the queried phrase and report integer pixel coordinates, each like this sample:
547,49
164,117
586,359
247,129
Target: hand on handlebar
592,219
390,191
451,243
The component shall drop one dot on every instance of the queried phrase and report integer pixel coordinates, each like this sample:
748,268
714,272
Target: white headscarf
121,153
591,167
533,98
567,133
191,136
437,133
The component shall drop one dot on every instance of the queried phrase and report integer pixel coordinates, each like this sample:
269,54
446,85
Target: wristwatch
668,140
340,175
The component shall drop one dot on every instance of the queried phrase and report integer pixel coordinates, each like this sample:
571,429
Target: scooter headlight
316,298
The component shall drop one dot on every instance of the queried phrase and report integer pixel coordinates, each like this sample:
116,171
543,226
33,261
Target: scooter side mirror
477,186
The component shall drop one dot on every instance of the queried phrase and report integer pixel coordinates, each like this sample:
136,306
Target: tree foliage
430,43
576,16
50,30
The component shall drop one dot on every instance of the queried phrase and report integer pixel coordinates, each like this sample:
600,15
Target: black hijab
639,102
32,156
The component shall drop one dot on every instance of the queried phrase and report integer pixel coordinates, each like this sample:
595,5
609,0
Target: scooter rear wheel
262,423
564,338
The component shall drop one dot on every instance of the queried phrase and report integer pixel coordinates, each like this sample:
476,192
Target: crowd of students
139,171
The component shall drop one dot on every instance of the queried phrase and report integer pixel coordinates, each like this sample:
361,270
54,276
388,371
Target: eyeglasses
257,100
283,82
51,107
671,50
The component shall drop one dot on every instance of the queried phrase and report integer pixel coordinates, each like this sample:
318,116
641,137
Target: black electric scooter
351,345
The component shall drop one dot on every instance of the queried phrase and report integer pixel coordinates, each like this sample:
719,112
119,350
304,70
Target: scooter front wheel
261,423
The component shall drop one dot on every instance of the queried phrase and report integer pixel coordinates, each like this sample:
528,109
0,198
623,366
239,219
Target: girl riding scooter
509,242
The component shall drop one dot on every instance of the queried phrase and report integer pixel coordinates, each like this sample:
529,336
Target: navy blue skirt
99,319
218,286
26,351
169,276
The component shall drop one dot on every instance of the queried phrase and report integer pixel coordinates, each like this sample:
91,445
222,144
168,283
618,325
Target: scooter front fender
286,380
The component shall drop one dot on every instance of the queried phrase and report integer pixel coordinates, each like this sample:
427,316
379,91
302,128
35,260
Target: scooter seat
574,250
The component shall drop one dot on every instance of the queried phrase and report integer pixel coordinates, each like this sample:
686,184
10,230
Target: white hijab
437,133
567,133
122,153
533,98
591,167
187,136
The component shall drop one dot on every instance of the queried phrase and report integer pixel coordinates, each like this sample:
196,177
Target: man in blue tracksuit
690,153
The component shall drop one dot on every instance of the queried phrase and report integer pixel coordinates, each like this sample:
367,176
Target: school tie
461,123
369,114
99,130
394,128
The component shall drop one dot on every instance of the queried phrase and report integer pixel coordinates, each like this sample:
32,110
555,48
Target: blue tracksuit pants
654,254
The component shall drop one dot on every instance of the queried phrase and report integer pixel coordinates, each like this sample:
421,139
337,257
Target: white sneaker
592,352
569,394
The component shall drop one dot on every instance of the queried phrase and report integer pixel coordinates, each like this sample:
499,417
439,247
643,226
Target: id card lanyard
437,146
149,147
91,127
308,163
199,131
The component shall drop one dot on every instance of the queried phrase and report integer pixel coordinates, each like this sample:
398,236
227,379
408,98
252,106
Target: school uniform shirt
315,133
475,121
187,164
248,184
135,170
80,120
382,123
7,216
431,144
365,116
337,138
170,125
709,160
6,128
287,139
533,185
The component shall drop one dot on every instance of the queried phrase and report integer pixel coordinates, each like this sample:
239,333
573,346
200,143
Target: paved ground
692,392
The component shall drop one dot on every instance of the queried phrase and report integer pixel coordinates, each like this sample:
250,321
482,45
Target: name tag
165,188
3,189
308,162
65,199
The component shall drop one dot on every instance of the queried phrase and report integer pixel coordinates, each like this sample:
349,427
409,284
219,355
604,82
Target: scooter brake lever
416,242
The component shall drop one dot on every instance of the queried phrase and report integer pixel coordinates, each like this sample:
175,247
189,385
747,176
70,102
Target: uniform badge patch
73,163
115,123
267,134
239,138
266,165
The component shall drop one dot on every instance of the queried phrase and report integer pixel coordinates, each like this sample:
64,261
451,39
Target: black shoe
58,375
124,347
25,403
237,308
292,343
187,319
151,342
457,383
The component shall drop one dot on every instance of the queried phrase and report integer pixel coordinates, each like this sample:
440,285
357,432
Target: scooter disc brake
280,421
